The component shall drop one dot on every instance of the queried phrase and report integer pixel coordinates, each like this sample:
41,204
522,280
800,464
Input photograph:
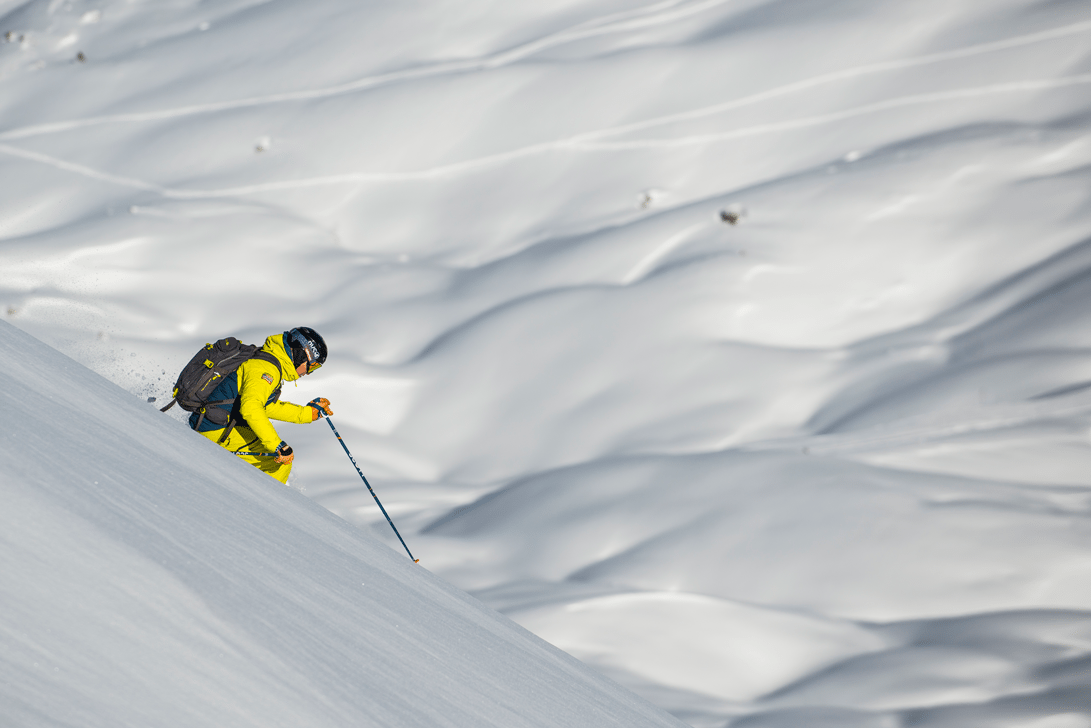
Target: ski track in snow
580,142
574,143
618,22
844,75
566,36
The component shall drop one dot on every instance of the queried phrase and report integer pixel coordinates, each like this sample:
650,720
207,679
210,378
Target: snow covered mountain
152,580
738,348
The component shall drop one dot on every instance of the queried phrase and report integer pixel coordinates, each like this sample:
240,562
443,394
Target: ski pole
353,460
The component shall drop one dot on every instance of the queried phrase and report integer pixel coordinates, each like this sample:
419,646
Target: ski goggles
308,348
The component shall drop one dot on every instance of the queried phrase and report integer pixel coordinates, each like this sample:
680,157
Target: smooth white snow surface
825,466
146,585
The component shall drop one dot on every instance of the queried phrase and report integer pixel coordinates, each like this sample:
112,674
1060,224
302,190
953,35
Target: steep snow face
149,579
739,348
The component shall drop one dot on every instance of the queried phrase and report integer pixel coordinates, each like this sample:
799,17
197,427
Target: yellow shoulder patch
267,377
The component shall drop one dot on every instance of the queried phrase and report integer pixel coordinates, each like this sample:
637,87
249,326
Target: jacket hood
275,346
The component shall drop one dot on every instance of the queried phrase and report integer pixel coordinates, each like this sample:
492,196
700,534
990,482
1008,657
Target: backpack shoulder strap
266,356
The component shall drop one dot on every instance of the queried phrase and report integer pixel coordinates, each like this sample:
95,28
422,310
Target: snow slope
825,465
151,580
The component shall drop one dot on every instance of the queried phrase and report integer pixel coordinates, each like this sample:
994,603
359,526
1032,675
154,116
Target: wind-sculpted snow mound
796,587
150,579
850,540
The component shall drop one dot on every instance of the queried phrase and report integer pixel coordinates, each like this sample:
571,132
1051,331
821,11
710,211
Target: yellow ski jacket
256,380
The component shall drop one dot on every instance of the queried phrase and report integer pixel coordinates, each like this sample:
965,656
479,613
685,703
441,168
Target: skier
251,397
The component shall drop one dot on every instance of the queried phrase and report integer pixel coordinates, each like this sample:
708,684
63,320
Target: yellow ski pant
244,439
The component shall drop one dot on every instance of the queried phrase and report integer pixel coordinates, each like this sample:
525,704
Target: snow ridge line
923,429
564,144
648,263
578,32
624,21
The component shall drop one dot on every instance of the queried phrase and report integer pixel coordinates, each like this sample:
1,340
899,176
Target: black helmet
307,346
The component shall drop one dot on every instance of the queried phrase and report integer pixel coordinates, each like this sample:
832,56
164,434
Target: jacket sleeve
288,412
257,380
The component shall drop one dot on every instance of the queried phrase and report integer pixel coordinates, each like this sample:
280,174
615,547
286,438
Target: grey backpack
207,370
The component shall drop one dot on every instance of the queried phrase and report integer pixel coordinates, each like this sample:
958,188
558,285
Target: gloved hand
283,453
321,407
